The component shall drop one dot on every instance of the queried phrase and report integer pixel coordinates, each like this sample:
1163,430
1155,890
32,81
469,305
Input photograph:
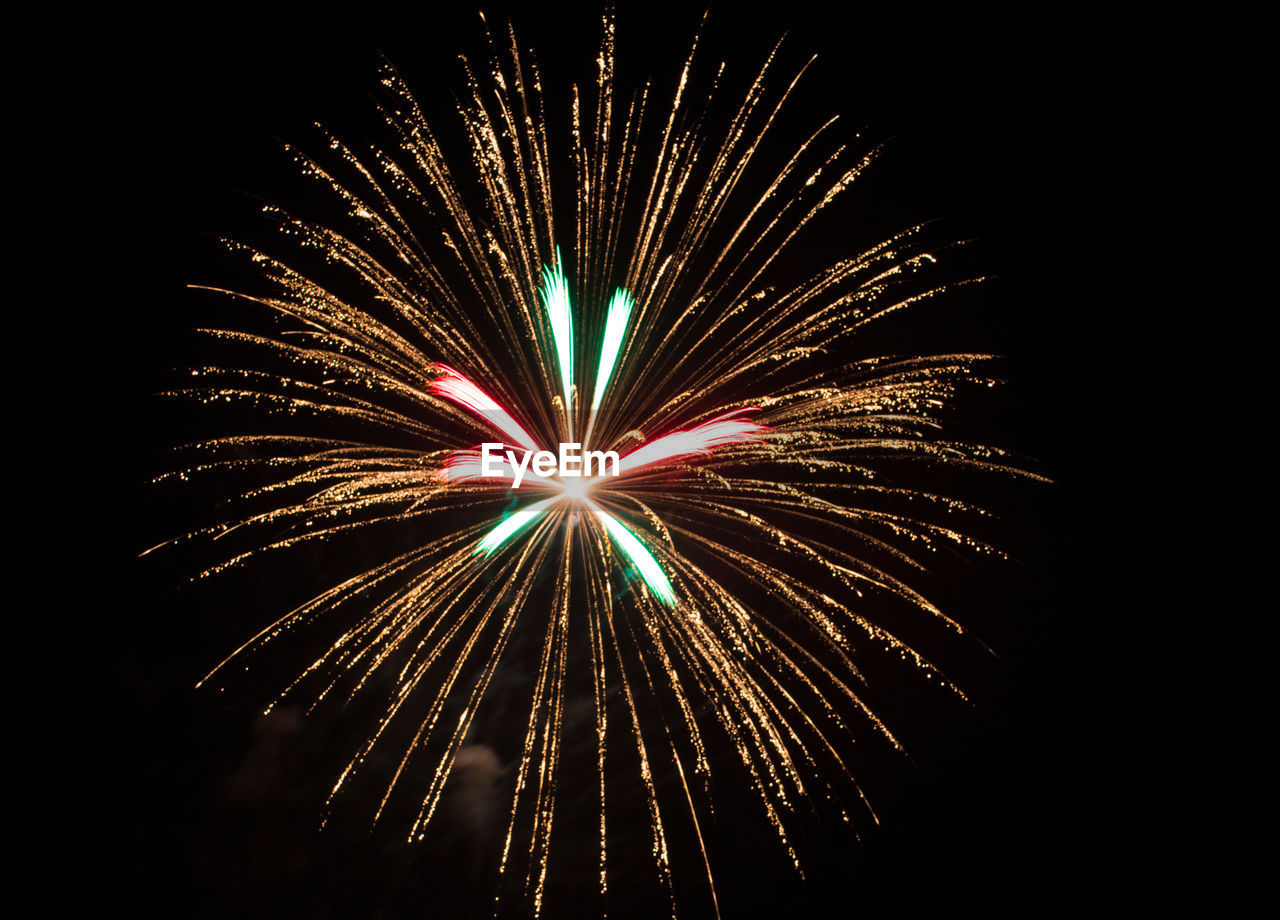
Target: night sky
998,128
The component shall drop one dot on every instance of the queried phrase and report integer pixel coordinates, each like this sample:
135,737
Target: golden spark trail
738,562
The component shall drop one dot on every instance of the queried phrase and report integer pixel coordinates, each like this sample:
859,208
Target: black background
1005,127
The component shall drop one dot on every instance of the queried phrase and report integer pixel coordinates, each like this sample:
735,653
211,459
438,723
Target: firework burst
723,560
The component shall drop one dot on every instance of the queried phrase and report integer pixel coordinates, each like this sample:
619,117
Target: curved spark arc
747,478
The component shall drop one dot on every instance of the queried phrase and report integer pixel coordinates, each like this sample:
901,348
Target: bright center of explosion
576,488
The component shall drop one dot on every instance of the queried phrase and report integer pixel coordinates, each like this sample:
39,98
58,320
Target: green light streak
555,294
644,562
615,329
511,525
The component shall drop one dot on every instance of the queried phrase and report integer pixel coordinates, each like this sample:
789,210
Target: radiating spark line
511,525
614,335
555,294
615,329
453,386
468,466
695,442
640,557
